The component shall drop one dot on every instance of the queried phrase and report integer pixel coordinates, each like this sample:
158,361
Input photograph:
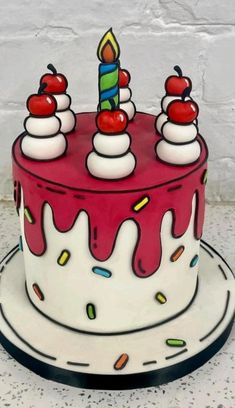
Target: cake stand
141,358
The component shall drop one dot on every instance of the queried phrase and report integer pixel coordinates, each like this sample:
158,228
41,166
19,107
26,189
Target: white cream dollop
42,127
63,101
111,145
124,94
178,154
129,108
68,120
44,148
179,133
160,120
111,168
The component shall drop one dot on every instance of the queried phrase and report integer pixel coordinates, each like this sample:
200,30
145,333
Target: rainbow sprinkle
178,252
28,215
139,205
91,312
175,342
101,271
194,261
121,361
64,257
160,298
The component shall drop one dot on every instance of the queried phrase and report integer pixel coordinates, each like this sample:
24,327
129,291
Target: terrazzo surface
211,386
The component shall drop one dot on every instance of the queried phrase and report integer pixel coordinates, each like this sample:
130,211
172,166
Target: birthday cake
111,207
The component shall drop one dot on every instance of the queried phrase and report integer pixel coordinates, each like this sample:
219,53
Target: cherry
41,104
56,83
123,78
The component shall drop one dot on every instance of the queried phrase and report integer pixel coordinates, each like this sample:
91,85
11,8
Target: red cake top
70,171
144,197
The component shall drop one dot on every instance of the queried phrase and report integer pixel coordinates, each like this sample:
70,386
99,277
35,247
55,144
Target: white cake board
88,360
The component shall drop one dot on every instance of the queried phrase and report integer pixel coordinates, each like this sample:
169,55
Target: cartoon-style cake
112,266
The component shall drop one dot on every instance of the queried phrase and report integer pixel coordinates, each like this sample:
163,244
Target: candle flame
108,49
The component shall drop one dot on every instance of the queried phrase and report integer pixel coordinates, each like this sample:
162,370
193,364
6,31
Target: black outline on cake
21,338
220,320
223,273
114,333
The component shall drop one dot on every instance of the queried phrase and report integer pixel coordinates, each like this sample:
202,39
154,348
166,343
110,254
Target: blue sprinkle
194,261
20,243
102,272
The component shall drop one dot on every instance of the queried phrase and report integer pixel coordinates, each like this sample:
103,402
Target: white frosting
179,133
110,168
68,120
178,154
44,148
161,119
123,301
167,99
42,126
129,108
111,145
124,94
63,101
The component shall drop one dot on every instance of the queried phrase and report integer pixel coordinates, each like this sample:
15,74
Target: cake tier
88,243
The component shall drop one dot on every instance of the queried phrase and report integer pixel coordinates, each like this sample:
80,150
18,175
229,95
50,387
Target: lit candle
108,53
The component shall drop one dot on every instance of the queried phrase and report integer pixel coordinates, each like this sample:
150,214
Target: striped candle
108,53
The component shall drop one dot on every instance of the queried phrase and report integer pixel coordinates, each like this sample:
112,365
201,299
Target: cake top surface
70,171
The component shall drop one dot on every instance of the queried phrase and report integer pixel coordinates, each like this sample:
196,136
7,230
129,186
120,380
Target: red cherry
123,78
182,112
175,85
56,83
112,121
41,104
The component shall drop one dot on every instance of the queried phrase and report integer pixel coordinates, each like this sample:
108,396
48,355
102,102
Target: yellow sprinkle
141,204
63,258
160,297
28,215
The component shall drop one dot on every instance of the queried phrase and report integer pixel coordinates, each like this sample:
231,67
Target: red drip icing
107,210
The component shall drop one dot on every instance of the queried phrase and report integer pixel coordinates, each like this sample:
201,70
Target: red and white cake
110,265
138,231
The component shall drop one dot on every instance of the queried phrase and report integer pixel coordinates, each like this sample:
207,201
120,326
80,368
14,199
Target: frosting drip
66,204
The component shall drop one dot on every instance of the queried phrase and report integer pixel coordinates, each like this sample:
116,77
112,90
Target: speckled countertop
211,386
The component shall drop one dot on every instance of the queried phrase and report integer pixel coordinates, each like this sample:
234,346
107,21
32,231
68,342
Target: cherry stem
178,70
42,87
52,68
112,103
186,92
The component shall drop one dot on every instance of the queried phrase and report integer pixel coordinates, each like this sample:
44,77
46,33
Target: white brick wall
154,35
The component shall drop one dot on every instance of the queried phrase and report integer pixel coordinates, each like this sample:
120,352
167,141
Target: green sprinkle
91,312
28,215
175,342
